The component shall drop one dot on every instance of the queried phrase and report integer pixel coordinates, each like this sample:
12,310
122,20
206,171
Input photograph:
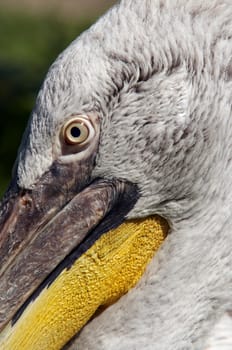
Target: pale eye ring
77,131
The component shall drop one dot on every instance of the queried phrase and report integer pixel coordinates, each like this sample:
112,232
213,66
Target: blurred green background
32,34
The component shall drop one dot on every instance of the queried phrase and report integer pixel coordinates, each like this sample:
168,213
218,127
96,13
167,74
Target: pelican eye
77,131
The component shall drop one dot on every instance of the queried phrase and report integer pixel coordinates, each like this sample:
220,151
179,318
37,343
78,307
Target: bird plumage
175,62
158,75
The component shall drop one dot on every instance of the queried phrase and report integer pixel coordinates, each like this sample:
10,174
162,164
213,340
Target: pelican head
133,119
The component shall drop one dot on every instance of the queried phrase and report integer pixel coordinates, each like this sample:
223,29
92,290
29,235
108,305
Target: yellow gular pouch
109,269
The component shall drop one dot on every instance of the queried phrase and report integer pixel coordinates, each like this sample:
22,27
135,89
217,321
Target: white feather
158,75
221,335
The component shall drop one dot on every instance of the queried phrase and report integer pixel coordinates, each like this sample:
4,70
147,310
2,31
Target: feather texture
158,74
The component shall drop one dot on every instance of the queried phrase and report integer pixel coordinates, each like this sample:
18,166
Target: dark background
32,34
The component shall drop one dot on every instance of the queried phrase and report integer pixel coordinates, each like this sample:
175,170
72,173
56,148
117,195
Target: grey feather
158,73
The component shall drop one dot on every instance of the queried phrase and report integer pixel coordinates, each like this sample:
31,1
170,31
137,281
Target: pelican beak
65,251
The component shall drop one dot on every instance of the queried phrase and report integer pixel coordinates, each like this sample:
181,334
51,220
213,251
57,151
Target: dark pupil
75,131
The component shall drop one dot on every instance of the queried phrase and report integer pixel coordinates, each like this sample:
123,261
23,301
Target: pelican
133,120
